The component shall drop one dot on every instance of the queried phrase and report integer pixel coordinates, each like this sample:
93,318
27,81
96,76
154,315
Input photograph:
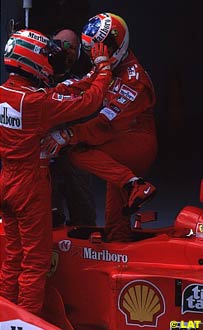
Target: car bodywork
144,284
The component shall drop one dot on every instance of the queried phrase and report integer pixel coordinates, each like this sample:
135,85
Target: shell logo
142,303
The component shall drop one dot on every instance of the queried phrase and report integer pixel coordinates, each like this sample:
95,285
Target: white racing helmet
28,53
112,30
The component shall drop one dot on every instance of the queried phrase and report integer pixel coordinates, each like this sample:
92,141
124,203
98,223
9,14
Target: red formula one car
154,282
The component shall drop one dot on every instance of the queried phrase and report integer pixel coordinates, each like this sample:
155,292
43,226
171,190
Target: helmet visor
92,27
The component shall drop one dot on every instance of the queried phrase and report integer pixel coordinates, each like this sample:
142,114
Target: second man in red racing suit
123,132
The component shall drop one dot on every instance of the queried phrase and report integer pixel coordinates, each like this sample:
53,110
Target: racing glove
54,141
100,57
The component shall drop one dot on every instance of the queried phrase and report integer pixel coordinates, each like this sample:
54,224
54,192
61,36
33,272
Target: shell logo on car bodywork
142,303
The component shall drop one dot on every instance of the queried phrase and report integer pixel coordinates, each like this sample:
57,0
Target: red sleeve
59,108
95,131
75,86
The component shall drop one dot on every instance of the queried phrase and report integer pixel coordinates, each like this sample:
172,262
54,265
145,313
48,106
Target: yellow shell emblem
142,303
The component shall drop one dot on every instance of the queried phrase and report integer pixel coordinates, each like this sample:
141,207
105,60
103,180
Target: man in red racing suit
26,114
125,130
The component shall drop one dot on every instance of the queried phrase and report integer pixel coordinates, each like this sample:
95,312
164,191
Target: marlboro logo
9,117
104,255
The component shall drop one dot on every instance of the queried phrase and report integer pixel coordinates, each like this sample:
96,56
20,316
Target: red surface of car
144,284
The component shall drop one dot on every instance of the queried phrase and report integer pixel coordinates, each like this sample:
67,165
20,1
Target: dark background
167,38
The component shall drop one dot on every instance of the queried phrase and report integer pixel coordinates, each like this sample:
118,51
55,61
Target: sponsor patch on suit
128,92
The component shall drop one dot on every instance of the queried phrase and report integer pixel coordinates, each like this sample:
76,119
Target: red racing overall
124,130
26,114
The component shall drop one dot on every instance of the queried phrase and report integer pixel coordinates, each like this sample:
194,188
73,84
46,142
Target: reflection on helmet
27,53
110,29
